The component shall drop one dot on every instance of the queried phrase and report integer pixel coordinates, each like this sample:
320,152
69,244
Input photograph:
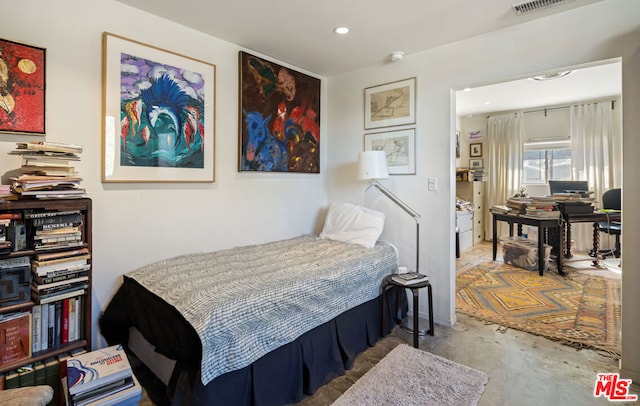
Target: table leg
568,253
430,300
596,244
560,253
541,250
416,320
495,237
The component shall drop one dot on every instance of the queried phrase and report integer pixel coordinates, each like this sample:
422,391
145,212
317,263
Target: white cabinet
464,223
474,192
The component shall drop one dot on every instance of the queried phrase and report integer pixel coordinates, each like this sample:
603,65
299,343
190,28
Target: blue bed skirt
300,368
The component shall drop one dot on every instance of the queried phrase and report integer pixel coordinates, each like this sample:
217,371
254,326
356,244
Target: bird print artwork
22,88
162,114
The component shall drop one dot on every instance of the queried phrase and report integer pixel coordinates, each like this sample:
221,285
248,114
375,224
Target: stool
415,290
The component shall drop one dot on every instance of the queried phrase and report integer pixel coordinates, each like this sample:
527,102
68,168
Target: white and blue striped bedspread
247,301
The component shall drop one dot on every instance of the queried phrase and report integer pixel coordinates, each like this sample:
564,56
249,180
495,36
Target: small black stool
415,290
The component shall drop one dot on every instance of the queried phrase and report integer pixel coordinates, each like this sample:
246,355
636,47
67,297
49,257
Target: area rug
578,309
408,376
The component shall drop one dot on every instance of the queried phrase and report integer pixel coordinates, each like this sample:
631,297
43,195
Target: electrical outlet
433,184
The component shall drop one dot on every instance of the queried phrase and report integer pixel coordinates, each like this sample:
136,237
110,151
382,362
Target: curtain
505,141
596,157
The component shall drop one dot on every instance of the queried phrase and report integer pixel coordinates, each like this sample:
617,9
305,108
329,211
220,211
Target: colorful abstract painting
159,114
22,88
279,118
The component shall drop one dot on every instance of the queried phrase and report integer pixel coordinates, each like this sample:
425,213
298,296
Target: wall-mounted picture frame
390,104
279,128
159,114
22,88
399,147
475,135
476,163
475,150
457,144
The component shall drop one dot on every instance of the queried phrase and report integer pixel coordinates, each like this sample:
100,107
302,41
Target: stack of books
409,278
55,229
47,170
518,205
542,207
101,377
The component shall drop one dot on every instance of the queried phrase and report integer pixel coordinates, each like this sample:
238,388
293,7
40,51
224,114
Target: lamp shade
372,165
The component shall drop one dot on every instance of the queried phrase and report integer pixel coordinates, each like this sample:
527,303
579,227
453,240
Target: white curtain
505,141
596,157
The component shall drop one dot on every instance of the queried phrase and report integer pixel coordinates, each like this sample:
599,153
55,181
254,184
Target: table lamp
373,166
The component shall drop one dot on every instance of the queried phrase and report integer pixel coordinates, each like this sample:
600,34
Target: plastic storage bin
523,253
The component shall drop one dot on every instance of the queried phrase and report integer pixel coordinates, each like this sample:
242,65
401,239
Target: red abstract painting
22,88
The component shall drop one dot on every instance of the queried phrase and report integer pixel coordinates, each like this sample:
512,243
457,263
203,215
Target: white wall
564,40
136,224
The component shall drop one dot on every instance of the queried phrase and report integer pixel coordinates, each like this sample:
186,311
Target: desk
594,218
543,225
415,288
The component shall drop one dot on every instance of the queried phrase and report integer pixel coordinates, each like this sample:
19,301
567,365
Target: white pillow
353,224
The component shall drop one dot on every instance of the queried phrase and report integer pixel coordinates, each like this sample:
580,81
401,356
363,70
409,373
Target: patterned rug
578,309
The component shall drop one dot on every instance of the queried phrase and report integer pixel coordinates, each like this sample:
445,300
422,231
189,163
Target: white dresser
474,192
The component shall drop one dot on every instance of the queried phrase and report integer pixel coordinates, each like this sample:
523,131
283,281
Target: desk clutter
552,206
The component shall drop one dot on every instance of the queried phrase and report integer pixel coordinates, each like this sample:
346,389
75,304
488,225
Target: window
547,160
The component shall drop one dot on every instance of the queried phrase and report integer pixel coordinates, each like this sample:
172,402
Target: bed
261,324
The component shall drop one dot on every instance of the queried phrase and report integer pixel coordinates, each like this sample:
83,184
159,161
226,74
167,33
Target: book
53,297
102,392
15,333
94,369
39,373
26,376
410,278
52,377
44,330
36,319
63,275
43,267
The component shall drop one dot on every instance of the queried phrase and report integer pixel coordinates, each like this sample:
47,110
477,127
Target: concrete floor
524,369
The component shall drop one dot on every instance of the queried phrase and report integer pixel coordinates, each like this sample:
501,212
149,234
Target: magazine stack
102,377
48,170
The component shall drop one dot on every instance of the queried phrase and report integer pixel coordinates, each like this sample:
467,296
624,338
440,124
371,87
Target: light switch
433,184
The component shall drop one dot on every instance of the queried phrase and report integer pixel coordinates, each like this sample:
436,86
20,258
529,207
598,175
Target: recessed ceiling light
467,89
551,76
341,30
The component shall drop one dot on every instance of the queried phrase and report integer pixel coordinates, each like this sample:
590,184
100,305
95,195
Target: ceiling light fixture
341,30
551,76
396,56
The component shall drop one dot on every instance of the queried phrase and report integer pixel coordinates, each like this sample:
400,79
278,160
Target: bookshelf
51,208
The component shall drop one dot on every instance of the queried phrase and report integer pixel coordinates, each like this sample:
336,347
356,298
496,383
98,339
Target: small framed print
399,147
476,163
475,150
390,104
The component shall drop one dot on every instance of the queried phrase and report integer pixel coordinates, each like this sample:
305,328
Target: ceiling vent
526,7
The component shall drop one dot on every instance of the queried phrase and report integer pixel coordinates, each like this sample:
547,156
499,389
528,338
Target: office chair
611,200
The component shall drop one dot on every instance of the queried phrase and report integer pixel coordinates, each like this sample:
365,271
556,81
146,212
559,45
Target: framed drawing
279,128
159,114
476,163
475,149
399,146
390,104
22,88
475,135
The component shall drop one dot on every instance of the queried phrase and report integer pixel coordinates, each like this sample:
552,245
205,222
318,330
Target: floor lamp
372,166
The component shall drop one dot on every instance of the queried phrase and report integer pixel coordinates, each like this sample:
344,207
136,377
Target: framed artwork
475,149
475,135
399,147
22,88
159,114
279,128
390,104
457,144
476,163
